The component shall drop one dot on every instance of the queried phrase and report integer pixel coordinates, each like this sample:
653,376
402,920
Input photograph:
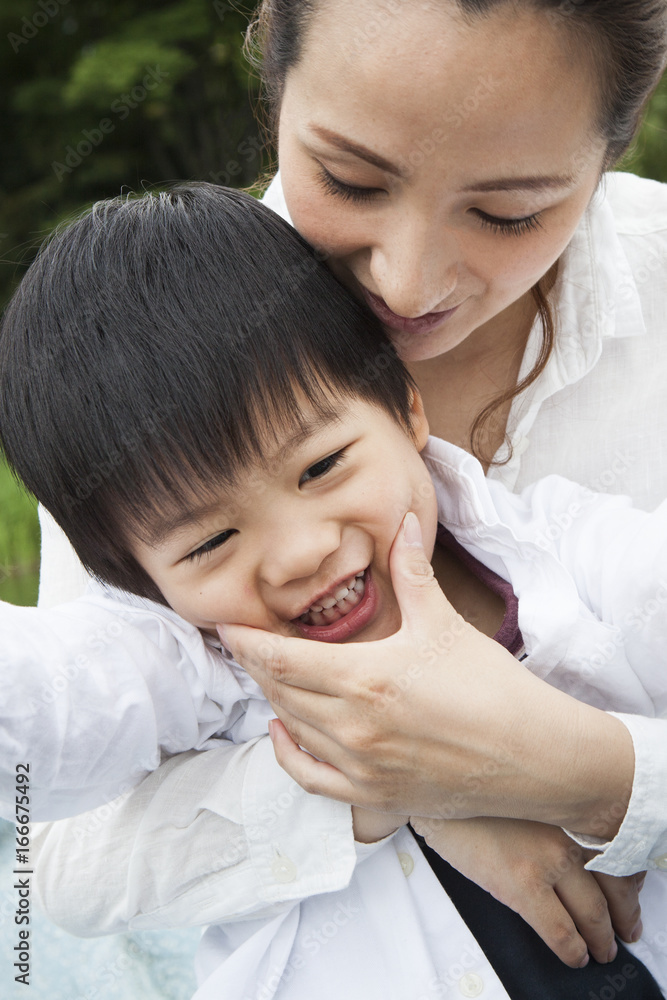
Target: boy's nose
298,553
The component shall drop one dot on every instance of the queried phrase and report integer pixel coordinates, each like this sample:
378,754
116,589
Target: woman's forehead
485,88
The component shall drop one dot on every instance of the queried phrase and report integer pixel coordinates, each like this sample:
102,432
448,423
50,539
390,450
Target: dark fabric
509,633
527,968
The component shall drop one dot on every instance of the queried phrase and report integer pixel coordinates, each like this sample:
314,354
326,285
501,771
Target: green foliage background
65,68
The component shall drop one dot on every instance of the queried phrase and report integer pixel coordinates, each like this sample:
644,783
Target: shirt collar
594,298
461,490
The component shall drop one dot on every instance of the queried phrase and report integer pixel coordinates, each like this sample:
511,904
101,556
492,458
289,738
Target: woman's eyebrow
348,146
535,183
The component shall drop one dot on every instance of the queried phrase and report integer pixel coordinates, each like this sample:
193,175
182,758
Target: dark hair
156,346
625,39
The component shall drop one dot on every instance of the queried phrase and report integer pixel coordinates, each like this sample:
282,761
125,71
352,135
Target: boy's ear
418,421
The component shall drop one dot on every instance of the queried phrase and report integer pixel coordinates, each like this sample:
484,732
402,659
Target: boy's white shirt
227,837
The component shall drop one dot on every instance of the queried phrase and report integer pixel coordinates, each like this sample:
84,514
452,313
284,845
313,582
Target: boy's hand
538,871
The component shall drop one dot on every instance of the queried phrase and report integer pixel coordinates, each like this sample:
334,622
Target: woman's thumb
420,599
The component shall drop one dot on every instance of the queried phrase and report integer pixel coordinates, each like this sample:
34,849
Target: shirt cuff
641,842
299,844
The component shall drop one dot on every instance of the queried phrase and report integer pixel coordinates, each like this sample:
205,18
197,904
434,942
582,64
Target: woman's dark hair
160,344
626,41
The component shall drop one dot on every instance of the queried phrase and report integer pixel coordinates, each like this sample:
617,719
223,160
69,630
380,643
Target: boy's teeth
329,609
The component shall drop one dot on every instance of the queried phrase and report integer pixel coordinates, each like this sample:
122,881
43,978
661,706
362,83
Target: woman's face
443,166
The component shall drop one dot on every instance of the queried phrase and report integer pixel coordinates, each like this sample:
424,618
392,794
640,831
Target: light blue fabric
147,965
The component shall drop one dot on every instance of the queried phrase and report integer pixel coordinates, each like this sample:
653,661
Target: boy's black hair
156,346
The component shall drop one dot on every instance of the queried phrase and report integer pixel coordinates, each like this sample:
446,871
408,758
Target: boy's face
316,520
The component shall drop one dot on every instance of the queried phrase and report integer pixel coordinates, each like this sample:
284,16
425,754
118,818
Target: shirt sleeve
91,694
209,837
641,842
617,557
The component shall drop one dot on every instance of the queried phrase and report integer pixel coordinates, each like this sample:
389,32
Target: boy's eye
211,545
322,467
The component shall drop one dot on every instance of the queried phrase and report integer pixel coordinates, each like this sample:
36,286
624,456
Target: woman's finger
418,593
277,661
313,775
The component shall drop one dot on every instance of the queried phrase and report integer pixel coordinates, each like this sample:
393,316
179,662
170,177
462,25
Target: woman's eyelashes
211,545
346,192
360,195
511,227
322,467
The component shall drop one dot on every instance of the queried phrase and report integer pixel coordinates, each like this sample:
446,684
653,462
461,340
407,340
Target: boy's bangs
178,472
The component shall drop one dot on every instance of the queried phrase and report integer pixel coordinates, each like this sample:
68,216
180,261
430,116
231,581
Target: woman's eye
347,192
510,227
211,545
321,468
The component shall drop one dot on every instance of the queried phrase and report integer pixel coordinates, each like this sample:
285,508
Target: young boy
175,394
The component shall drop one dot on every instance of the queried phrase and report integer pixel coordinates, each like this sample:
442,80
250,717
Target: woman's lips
420,324
350,624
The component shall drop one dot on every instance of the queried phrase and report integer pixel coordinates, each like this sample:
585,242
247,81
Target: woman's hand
438,719
539,872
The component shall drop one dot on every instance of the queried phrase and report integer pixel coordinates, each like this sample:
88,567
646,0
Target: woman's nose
415,270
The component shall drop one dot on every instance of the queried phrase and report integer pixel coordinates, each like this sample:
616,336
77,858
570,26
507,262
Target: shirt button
661,862
471,985
284,870
407,864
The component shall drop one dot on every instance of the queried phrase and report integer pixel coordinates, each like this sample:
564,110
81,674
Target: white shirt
227,834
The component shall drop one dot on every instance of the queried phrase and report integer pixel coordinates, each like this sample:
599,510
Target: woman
456,187
453,184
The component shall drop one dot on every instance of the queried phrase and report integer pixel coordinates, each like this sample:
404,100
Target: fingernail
585,960
223,635
637,932
613,952
271,731
412,531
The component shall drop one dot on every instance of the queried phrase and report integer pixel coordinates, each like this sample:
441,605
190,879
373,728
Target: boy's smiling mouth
342,612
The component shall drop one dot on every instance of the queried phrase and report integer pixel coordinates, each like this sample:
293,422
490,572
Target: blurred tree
99,96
